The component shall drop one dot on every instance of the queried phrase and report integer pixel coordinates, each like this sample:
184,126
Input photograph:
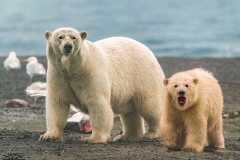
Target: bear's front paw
126,138
193,148
50,138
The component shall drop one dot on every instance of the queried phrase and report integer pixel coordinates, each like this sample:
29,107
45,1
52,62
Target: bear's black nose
68,48
181,93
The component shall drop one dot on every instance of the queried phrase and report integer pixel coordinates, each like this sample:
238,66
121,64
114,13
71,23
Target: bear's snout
181,93
68,48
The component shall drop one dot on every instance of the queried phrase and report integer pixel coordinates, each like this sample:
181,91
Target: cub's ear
165,81
48,34
195,80
83,35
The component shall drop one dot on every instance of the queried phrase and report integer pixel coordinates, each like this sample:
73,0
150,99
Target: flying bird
34,68
12,62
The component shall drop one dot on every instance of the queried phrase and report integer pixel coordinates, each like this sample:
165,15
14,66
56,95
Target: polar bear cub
192,114
114,75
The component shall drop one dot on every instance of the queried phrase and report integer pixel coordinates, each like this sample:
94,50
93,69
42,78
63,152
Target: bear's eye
186,85
73,37
60,37
175,86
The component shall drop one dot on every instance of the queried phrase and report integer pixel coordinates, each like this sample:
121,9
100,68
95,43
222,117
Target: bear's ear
165,81
195,80
83,35
48,34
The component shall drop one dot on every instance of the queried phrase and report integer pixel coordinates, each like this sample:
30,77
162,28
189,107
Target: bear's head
65,41
181,91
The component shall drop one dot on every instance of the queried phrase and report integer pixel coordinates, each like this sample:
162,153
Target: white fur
114,75
198,122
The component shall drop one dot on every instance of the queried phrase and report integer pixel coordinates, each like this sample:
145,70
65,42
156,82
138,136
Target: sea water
186,28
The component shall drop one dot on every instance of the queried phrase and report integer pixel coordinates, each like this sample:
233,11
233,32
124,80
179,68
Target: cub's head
65,41
181,91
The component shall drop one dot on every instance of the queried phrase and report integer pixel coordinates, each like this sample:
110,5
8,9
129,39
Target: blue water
188,28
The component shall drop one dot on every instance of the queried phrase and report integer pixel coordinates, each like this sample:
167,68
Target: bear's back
118,47
134,69
129,56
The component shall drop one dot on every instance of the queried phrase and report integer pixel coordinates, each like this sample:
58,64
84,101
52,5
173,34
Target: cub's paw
50,138
217,146
193,148
172,146
213,148
126,138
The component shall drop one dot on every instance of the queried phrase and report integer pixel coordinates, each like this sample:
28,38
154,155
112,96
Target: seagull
34,68
36,90
12,62
79,116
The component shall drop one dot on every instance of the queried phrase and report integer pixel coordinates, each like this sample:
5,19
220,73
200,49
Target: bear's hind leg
133,127
215,136
151,114
101,118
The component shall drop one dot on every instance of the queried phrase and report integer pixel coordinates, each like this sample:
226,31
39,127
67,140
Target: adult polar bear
116,74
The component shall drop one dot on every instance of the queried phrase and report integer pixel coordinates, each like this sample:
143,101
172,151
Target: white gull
12,62
34,68
79,116
36,90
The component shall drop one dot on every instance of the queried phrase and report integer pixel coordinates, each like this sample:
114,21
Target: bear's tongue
181,100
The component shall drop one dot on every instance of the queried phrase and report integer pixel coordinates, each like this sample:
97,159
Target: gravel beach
21,127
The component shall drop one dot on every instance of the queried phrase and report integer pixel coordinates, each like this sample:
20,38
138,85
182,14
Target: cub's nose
181,93
68,48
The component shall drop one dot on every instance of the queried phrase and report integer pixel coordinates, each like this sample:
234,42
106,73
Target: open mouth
181,100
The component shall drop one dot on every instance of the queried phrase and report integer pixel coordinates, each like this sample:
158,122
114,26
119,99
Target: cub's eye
186,85
60,37
73,37
175,86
